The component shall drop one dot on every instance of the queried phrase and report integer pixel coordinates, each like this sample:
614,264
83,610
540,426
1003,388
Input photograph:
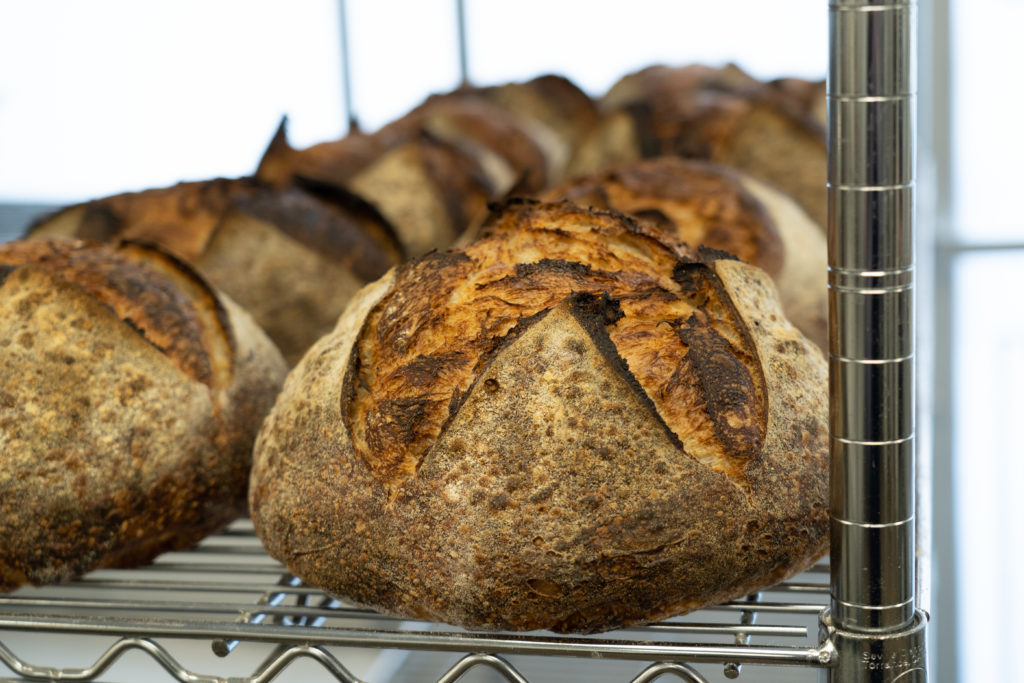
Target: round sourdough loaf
571,424
130,395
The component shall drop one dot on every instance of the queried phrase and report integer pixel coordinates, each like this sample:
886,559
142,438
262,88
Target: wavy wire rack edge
233,592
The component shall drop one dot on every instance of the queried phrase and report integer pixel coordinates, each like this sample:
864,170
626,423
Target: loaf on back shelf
432,171
574,423
130,396
291,259
720,114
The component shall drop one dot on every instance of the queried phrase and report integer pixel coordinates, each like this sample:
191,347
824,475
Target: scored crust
116,446
287,257
698,202
569,425
716,206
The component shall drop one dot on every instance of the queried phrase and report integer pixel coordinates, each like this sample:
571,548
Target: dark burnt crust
324,228
165,315
727,387
361,210
99,223
208,297
642,115
708,254
698,277
570,268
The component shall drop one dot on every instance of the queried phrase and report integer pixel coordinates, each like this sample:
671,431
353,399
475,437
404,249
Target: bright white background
105,96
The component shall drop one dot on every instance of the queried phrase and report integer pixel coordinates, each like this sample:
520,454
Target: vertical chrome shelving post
873,621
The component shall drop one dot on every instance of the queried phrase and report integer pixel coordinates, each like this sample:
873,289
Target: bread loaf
431,172
289,258
571,424
130,395
720,115
555,112
712,205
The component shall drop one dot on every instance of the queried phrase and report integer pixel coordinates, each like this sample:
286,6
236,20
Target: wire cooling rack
228,592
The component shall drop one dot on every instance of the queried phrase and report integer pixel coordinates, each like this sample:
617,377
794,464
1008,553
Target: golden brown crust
551,99
333,162
155,306
700,203
551,109
660,79
430,173
116,450
427,189
607,431
289,258
485,132
713,114
713,205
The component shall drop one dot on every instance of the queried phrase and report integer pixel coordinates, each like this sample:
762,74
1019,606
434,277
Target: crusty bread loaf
430,172
290,259
571,424
713,205
721,115
130,395
555,112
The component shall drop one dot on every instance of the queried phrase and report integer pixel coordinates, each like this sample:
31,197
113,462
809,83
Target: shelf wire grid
227,591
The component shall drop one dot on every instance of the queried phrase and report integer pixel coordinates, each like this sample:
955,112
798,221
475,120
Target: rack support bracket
875,656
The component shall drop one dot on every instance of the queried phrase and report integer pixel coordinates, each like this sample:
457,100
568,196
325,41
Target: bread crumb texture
571,424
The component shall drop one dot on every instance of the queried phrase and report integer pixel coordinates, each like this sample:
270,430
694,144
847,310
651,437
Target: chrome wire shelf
227,592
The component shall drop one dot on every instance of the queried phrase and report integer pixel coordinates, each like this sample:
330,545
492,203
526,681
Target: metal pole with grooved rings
872,620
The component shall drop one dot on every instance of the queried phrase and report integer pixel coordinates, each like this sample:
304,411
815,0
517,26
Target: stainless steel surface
872,49
463,41
346,68
893,657
862,463
227,591
871,184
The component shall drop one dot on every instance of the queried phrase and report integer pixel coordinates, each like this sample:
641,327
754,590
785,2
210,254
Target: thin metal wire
462,40
269,605
346,68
